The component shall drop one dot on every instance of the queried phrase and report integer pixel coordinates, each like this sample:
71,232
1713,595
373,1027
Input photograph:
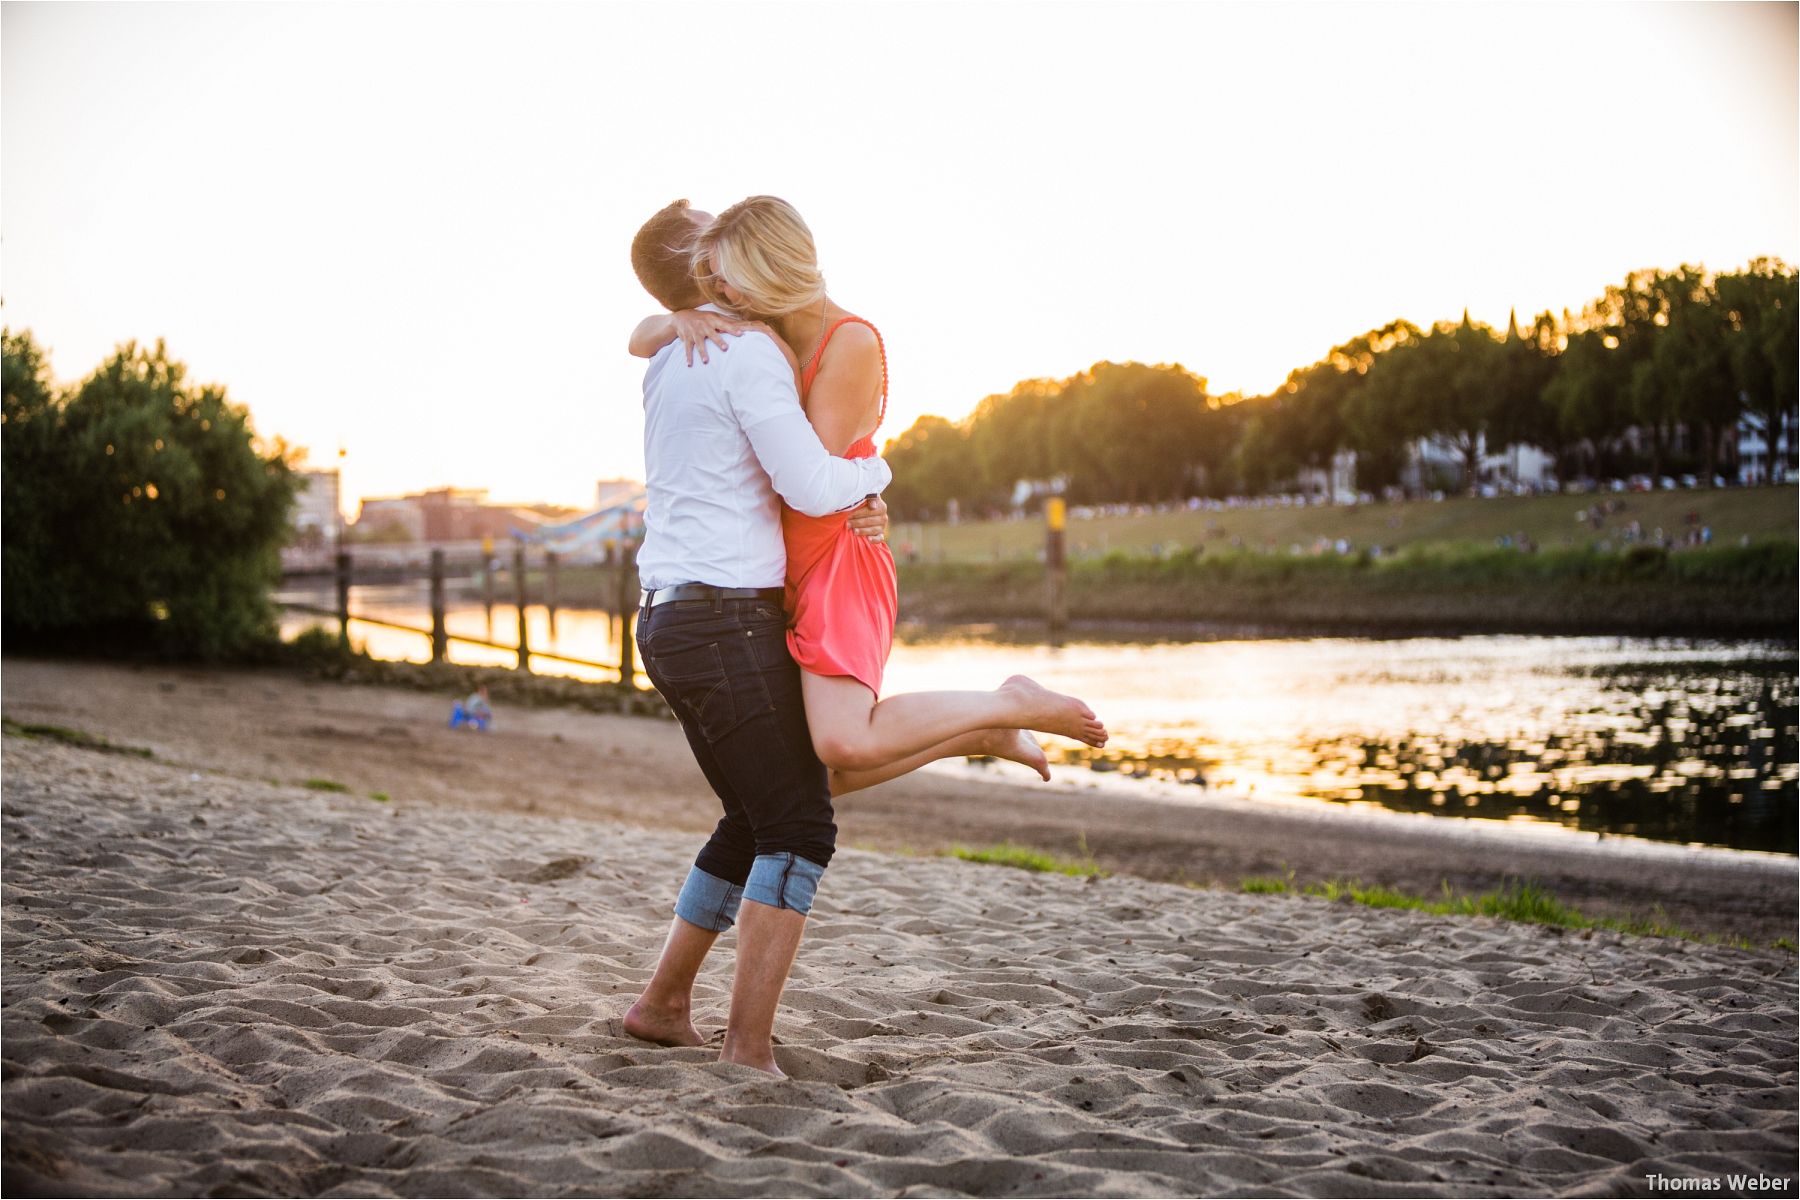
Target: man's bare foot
665,1027
765,1061
1054,712
1016,745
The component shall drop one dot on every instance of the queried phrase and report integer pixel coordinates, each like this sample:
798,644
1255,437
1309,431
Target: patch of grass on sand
71,737
383,797
324,785
1006,854
1517,901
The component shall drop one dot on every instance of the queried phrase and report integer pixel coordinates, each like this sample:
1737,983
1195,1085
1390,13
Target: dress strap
812,368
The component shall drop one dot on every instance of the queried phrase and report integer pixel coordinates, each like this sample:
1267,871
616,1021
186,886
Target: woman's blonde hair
761,247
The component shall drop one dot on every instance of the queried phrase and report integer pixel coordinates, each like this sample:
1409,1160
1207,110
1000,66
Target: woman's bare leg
851,731
1016,745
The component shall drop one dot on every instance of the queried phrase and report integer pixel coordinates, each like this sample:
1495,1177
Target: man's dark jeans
725,669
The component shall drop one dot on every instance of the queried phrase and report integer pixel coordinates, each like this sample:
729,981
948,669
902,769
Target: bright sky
404,229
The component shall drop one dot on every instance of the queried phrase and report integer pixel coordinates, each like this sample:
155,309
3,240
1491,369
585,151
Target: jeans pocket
694,680
766,610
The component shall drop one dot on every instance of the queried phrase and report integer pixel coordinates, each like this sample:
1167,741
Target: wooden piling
343,598
1056,567
519,583
440,638
550,591
628,598
487,583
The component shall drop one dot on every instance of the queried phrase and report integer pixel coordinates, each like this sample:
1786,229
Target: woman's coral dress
842,596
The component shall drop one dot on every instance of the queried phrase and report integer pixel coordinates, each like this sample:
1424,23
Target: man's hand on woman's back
871,520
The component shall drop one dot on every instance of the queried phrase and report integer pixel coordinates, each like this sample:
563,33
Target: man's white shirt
725,442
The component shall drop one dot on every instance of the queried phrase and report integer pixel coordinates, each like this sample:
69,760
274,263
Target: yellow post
1056,569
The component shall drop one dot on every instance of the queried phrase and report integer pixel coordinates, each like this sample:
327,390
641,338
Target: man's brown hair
660,254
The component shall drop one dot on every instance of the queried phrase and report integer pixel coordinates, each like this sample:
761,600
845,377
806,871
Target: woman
757,259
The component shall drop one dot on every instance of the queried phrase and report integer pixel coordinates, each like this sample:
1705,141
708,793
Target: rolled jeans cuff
708,902
784,880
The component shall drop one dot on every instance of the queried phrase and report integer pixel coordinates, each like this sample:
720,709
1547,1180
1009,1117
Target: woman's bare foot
1053,712
1016,745
665,1027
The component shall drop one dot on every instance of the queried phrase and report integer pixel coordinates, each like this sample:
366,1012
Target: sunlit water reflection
1673,740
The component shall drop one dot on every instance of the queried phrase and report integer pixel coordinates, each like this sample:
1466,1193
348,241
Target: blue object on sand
460,716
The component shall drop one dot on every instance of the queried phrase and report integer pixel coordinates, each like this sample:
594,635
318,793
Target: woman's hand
695,327
692,326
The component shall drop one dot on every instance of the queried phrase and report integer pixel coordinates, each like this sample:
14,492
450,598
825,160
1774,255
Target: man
725,441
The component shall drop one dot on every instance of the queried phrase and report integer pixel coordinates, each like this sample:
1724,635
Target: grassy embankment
1425,589
1439,569
1760,514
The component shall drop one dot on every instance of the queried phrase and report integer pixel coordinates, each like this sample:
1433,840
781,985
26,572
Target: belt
707,592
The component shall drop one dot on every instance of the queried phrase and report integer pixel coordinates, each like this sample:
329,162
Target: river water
1673,740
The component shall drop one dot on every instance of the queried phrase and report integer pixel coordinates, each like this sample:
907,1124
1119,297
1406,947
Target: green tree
1656,354
933,464
1522,416
1221,428
147,513
1446,385
1126,431
1265,457
1012,436
1692,358
1649,358
1589,400
30,449
1381,418
1461,394
1630,320
1760,308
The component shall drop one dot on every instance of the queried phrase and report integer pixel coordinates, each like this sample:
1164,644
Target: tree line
140,510
1652,376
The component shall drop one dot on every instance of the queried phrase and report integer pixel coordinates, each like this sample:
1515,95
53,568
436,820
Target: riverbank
219,984
1601,520
1724,592
285,727
1426,590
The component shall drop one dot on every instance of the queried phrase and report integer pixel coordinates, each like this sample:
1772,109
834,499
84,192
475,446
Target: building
317,520
610,493
450,515
1336,482
1755,463
1433,465
457,514
391,519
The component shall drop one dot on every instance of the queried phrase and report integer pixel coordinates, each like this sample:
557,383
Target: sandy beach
221,982
267,725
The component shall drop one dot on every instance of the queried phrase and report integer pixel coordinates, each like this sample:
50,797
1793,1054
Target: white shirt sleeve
759,386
